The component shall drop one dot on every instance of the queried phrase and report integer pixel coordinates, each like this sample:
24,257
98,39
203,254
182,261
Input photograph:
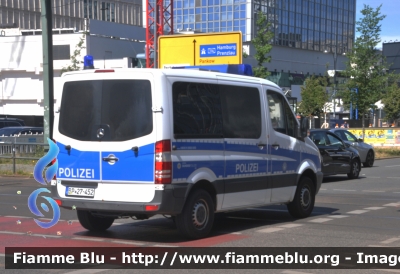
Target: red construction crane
159,21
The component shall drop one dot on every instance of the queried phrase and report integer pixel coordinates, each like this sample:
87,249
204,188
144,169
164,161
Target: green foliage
392,102
313,96
366,67
262,44
76,58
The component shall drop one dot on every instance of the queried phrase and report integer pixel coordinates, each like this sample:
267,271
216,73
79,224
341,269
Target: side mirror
360,140
347,145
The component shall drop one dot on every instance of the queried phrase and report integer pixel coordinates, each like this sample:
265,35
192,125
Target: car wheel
304,199
354,170
93,223
369,161
197,217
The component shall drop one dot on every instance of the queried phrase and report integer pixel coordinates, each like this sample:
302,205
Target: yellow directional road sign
200,49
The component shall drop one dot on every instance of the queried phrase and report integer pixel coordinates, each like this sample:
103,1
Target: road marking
393,177
164,245
22,217
294,272
377,246
127,243
2,255
10,232
290,225
392,166
389,270
360,211
270,230
344,189
44,235
374,208
88,239
337,216
320,220
373,191
87,271
374,177
391,240
237,233
392,204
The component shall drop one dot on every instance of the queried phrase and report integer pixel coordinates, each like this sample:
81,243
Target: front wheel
197,217
354,170
369,161
94,223
304,199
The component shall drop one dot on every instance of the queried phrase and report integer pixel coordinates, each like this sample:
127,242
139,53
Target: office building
25,14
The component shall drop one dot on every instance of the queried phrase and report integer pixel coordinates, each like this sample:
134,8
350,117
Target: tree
262,45
366,67
313,97
76,58
392,102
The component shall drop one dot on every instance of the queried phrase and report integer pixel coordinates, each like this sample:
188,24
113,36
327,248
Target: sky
390,29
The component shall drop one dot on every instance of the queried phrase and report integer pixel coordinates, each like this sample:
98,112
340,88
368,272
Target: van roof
185,72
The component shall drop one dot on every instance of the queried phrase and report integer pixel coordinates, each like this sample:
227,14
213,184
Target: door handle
110,158
275,146
261,145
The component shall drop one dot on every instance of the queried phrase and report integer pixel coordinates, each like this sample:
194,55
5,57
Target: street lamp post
334,80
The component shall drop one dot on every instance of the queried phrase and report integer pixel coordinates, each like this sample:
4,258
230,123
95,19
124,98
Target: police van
178,142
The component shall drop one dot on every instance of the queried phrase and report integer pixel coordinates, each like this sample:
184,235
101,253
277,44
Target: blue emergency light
88,62
241,69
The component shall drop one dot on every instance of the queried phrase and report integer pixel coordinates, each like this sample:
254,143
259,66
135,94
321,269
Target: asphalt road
347,213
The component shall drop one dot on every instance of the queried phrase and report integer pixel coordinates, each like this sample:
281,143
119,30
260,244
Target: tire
354,170
197,217
369,161
94,223
304,199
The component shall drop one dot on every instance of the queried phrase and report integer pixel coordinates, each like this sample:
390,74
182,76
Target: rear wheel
354,170
304,199
369,161
197,217
94,223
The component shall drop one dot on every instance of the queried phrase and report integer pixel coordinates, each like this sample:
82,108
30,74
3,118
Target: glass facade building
316,25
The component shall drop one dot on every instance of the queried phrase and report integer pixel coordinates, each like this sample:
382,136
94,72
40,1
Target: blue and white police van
178,142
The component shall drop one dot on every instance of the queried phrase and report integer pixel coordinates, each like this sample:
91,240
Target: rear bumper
169,201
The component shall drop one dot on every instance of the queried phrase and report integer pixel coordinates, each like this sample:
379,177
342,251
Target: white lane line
164,245
373,177
21,217
320,220
391,240
270,230
46,236
237,233
127,243
360,211
373,191
374,208
337,216
88,239
344,189
392,166
2,255
377,245
392,204
118,223
393,177
294,272
289,225
389,270
10,232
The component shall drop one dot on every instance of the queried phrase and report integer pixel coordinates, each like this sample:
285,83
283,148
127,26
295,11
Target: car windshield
350,137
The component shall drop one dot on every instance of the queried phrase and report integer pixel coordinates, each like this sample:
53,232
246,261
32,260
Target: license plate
79,191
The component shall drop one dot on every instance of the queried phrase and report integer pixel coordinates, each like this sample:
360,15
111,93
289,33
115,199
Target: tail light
163,163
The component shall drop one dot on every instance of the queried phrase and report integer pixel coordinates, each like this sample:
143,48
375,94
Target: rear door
107,135
341,156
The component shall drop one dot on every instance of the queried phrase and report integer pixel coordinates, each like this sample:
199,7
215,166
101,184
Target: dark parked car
366,151
11,122
12,131
337,157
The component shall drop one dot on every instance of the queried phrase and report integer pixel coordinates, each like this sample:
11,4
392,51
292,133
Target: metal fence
23,147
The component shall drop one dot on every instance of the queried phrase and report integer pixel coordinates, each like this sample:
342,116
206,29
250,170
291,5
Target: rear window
120,108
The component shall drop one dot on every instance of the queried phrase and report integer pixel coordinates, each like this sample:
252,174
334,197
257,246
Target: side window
319,138
341,135
12,124
350,137
196,110
334,141
241,108
281,115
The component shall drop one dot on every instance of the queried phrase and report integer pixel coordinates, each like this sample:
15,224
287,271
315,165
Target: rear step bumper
168,202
